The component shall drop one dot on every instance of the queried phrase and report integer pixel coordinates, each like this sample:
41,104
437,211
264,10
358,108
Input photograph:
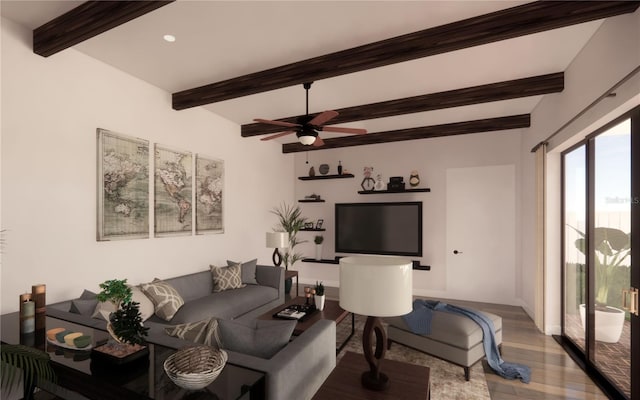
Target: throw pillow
85,304
103,309
144,303
255,337
201,332
247,271
225,278
166,300
87,295
83,307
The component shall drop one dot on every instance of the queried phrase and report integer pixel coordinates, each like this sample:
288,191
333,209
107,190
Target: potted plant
318,241
290,220
612,247
125,323
319,295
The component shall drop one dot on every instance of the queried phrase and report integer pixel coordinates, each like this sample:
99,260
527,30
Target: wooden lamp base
374,379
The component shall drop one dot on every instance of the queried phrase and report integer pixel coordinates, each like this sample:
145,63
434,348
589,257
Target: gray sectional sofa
296,371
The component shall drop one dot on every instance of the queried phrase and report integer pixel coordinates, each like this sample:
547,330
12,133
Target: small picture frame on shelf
308,225
319,224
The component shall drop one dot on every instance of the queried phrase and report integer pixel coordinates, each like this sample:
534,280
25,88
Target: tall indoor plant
612,247
290,220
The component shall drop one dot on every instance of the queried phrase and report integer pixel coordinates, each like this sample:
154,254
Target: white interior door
481,234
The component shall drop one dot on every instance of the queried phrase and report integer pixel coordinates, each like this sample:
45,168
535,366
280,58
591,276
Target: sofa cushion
83,307
255,337
453,329
202,332
226,278
193,286
145,304
225,305
166,300
247,271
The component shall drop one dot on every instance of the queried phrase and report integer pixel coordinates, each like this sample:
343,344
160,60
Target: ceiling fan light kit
307,126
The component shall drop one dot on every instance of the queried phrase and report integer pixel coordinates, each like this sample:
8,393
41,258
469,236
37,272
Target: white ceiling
217,40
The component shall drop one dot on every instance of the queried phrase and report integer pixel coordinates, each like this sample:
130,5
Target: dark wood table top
331,311
406,381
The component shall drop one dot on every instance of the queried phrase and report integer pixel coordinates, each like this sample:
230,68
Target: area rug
447,380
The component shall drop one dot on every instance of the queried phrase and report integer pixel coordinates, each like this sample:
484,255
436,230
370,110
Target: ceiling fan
308,126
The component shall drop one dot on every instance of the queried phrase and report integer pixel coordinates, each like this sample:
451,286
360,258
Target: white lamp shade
307,139
376,286
279,240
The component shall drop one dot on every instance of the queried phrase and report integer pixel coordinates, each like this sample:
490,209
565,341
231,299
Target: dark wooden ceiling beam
532,86
425,132
504,24
86,21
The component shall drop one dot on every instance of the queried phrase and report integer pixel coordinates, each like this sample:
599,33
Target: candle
38,294
27,316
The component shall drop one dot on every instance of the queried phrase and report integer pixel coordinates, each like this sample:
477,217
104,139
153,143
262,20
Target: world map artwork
209,190
173,190
123,203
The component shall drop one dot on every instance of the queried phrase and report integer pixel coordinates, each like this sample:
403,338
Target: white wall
431,158
51,108
611,54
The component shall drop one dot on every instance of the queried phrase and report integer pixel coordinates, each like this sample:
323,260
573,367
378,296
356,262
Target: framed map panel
173,192
123,186
209,195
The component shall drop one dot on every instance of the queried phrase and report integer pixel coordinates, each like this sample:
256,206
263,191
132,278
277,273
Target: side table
288,274
406,381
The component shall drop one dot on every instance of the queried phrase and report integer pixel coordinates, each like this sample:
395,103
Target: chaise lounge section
453,338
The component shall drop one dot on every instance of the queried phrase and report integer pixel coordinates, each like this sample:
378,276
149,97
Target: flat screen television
379,228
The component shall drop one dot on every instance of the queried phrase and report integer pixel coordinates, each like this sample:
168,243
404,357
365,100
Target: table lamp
375,286
277,240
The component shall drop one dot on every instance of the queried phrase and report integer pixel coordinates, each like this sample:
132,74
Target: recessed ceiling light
169,38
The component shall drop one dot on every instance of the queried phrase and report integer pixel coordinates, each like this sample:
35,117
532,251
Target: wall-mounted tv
379,228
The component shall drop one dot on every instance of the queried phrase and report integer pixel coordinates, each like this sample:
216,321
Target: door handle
630,300
457,252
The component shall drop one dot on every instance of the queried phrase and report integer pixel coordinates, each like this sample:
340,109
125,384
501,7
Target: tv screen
379,228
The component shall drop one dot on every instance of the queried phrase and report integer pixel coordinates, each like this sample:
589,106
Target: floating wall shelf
312,229
337,261
417,190
312,178
310,201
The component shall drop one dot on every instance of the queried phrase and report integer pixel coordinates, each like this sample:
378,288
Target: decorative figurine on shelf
312,171
414,178
339,167
379,184
367,182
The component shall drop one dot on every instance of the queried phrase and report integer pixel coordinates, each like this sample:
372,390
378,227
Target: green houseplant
33,364
125,323
612,247
318,241
319,295
290,220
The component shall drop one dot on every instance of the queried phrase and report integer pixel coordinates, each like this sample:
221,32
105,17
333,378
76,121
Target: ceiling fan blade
354,131
319,142
279,123
277,135
323,117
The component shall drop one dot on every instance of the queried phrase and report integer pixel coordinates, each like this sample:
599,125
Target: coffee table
406,381
144,378
331,311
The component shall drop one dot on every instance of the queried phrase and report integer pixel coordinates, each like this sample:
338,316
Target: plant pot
609,323
320,302
287,285
318,252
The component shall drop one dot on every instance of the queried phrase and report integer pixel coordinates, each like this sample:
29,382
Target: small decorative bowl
194,368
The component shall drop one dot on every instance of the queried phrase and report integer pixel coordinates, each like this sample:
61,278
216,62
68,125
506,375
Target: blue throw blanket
419,321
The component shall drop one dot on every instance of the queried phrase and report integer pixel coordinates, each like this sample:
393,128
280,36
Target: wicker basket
194,368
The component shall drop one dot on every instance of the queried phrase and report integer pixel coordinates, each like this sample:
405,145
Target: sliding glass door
598,308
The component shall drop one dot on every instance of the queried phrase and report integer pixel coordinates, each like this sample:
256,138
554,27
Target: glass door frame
586,360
